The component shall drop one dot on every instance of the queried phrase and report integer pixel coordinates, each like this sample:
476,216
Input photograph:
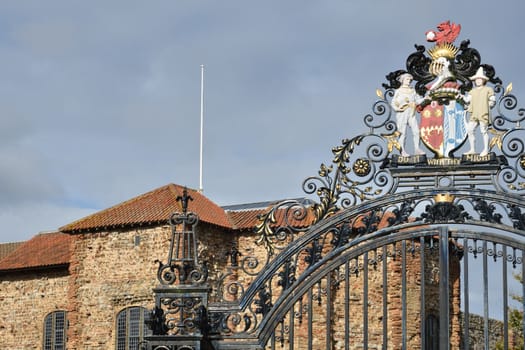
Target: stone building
87,285
90,284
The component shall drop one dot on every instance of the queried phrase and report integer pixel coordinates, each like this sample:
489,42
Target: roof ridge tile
154,206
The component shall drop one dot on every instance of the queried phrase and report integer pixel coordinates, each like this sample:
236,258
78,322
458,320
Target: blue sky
99,101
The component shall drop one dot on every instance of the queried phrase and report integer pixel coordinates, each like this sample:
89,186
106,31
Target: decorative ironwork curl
512,176
319,293
186,272
475,250
506,103
513,144
188,218
382,112
285,211
222,286
199,274
300,311
233,322
166,273
343,188
181,315
251,265
516,260
494,252
375,259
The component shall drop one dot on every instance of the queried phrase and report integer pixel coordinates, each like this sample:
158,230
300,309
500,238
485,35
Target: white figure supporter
480,99
404,103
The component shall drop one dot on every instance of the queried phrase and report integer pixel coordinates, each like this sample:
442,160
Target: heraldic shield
443,127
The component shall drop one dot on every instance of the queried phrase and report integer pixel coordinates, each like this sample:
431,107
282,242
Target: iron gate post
179,320
444,291
184,311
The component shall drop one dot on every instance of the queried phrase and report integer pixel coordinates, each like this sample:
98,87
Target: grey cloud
103,97
24,178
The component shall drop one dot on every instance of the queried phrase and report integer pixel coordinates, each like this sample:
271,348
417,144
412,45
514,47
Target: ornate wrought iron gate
398,252
373,277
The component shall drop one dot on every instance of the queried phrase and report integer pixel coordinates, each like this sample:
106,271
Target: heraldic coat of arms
451,95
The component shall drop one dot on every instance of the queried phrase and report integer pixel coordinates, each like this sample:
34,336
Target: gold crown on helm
443,50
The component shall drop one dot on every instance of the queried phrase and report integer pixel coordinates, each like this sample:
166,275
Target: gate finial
184,199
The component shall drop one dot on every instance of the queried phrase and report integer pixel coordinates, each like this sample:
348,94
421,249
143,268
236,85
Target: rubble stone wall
26,298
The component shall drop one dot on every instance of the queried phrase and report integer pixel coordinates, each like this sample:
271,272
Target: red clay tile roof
243,220
8,248
248,219
151,208
43,250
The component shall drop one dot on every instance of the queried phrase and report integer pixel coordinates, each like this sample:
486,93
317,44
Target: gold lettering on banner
476,158
408,160
444,161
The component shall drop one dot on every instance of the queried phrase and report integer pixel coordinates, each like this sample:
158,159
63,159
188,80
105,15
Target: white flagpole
202,125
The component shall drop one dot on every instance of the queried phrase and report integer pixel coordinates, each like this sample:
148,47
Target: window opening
55,331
